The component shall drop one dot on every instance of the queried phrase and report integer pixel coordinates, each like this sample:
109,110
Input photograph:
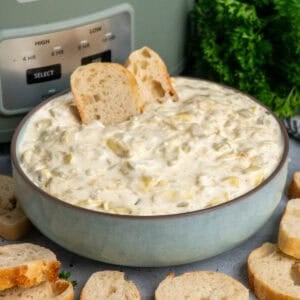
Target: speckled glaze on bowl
148,240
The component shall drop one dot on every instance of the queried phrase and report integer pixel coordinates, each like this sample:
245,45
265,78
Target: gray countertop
232,262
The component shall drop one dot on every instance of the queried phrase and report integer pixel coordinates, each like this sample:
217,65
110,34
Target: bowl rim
238,199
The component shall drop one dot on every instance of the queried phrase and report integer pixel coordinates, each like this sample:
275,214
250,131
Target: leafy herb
253,45
66,276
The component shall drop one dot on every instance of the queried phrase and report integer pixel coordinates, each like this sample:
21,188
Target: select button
42,74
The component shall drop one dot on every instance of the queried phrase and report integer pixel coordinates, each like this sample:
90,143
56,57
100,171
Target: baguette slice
294,188
201,285
273,275
109,285
13,222
289,229
26,265
58,290
105,91
152,75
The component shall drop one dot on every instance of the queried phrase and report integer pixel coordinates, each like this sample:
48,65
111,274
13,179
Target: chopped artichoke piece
221,146
52,112
126,167
26,156
233,180
82,203
236,132
243,154
218,200
186,147
171,196
68,158
226,196
106,205
147,181
182,204
245,113
214,201
170,124
44,175
162,183
217,131
196,130
251,168
254,109
122,210
44,136
117,148
43,124
188,196
259,178
65,137
48,182
227,155
228,123
184,117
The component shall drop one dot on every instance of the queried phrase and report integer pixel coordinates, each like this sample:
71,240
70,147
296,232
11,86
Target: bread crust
26,265
289,236
294,187
200,285
27,276
94,85
63,289
109,285
59,290
93,88
152,75
13,222
267,290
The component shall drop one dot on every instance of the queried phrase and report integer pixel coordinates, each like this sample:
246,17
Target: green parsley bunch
252,45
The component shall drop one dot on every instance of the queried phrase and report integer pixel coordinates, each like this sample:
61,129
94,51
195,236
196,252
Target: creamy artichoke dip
211,146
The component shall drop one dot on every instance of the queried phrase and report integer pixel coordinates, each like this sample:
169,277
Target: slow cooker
43,41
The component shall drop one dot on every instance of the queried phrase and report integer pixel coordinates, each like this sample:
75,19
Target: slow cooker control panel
35,67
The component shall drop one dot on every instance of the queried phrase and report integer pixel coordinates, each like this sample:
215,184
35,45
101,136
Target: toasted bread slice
294,187
7,195
13,222
26,265
152,75
273,275
105,91
109,285
58,290
201,285
289,229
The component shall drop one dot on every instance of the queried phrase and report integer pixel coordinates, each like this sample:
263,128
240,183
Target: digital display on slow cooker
99,57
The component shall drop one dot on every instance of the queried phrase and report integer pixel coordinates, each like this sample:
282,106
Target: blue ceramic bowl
148,240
